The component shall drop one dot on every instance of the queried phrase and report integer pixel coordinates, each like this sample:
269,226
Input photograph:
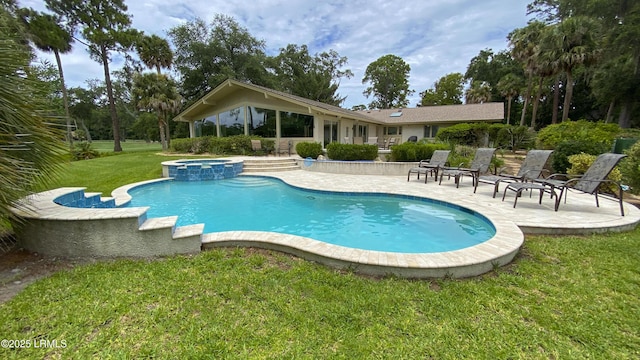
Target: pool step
192,234
262,165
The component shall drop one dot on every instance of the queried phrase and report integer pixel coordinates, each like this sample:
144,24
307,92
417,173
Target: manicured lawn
106,146
562,298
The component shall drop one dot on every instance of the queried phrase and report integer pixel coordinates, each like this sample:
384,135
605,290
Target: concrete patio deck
578,216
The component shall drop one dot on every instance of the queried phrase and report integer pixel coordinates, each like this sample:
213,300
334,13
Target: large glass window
206,127
330,132
232,122
296,125
262,122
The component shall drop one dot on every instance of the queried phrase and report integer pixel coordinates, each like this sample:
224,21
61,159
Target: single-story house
235,108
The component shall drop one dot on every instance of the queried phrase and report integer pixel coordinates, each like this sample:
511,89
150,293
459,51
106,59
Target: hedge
232,145
309,149
337,151
409,151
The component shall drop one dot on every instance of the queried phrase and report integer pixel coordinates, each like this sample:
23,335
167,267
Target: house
235,108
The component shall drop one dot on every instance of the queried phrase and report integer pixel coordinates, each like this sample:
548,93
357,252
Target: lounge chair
531,169
438,160
479,165
372,140
588,183
392,141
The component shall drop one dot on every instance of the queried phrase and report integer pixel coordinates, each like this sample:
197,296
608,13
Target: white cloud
434,37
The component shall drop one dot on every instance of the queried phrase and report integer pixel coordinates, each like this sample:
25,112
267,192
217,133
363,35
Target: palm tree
47,35
29,149
571,43
509,87
478,93
157,92
524,42
154,52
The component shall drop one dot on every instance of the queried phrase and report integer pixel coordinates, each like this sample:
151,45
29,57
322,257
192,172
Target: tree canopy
446,91
388,79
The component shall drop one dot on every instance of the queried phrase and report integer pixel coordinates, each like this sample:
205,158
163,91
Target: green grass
106,146
562,298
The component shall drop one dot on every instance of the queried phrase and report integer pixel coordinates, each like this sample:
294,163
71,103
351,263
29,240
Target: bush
630,168
560,159
515,138
309,149
595,132
409,151
232,145
337,151
181,145
472,134
83,151
581,162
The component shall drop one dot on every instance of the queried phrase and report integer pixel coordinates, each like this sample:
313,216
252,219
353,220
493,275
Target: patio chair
372,140
256,146
284,146
531,168
438,160
358,140
392,141
588,183
382,143
479,165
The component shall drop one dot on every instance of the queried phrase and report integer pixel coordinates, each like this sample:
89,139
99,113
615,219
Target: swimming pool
370,221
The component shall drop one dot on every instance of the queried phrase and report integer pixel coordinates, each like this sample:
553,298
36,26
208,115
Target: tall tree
314,77
154,52
572,43
524,42
157,92
509,87
29,148
388,79
479,92
106,26
206,55
446,91
47,35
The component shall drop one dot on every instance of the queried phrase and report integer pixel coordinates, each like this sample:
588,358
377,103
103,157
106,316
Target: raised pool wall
201,169
357,167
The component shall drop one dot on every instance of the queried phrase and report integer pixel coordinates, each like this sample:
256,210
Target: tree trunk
65,99
168,135
536,101
624,120
86,131
509,109
556,101
610,111
567,97
112,104
526,99
162,132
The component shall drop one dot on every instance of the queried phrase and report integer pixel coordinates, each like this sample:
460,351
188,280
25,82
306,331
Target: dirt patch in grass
19,268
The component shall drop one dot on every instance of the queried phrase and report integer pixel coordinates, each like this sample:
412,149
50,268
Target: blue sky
434,37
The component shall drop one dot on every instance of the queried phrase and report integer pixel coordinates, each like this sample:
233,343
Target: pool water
365,221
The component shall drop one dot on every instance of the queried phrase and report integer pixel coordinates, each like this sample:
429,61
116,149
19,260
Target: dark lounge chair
531,168
479,165
432,166
588,183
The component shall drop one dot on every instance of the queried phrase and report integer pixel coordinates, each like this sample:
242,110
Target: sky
434,37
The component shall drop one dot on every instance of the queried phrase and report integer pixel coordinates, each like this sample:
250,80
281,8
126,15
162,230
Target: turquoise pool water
371,221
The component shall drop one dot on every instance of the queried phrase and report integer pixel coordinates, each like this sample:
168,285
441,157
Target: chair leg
620,200
597,202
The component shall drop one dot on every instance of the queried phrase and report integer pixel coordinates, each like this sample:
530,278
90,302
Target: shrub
560,159
581,162
630,168
409,151
472,134
83,151
309,149
595,132
337,151
182,145
515,138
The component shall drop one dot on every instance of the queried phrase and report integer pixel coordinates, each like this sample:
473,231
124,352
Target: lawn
562,298
106,146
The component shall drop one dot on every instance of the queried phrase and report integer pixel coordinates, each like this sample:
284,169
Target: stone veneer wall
199,170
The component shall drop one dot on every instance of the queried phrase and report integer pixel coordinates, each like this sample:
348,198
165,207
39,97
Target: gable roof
425,114
493,111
